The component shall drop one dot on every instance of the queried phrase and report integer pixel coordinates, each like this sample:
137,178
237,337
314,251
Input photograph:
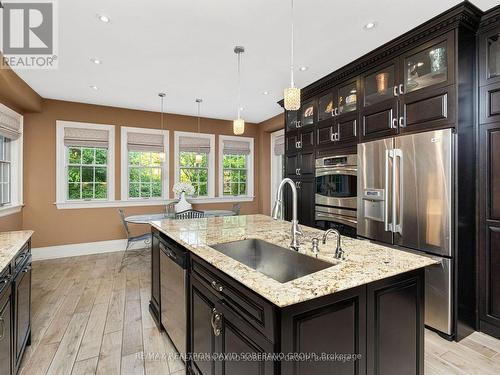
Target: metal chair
146,237
189,214
236,208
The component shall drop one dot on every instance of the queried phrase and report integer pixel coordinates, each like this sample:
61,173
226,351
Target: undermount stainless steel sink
274,261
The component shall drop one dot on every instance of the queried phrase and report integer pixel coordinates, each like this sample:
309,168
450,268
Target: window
5,171
11,163
144,163
85,162
236,169
87,173
194,161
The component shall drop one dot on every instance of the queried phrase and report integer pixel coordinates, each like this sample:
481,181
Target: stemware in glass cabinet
307,117
426,68
379,86
493,56
291,120
326,107
348,98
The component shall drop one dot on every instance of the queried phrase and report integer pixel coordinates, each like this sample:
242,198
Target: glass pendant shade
292,98
198,158
239,126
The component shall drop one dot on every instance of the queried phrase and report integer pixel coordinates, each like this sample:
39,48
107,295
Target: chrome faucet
296,231
338,251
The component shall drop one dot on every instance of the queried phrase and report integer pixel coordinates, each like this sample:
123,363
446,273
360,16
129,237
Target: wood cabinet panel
493,272
347,129
154,304
324,135
494,174
22,308
6,334
306,190
202,338
490,103
428,109
395,341
306,164
291,164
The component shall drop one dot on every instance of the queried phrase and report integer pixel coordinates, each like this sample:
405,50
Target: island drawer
22,255
5,278
242,301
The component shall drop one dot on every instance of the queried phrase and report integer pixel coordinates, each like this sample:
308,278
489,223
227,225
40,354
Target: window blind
82,137
10,127
236,147
279,145
145,142
194,144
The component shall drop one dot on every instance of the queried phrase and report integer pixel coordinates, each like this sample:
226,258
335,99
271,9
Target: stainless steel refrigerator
405,197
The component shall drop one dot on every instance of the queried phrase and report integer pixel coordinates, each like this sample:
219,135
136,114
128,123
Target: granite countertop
10,244
364,262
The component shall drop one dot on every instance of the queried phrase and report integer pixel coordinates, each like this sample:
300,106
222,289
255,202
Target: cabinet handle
337,136
402,122
395,91
336,111
27,269
332,137
298,171
299,144
298,184
2,330
216,322
394,123
401,89
354,130
298,124
217,286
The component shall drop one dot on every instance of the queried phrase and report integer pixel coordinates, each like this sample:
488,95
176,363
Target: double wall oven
336,191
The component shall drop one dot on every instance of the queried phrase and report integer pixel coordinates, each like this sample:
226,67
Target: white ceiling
185,48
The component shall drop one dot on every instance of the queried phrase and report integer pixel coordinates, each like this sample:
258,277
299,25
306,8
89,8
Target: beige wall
57,227
266,128
11,222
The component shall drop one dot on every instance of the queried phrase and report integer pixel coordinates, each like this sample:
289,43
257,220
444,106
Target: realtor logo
28,39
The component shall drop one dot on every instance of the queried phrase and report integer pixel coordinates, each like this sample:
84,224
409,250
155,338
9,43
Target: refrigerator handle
398,154
387,225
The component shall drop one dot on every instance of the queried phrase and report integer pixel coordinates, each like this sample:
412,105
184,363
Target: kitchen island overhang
366,310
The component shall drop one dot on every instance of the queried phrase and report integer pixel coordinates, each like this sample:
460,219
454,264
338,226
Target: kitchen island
359,315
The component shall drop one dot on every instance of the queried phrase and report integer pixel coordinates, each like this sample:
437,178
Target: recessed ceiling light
103,18
96,61
303,68
95,88
370,25
266,93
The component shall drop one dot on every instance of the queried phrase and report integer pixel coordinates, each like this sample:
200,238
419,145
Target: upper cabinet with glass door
348,98
326,108
291,120
426,68
308,113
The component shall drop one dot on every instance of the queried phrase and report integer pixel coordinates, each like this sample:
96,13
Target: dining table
147,218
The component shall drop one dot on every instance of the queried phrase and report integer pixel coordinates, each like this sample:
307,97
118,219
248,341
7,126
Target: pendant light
239,123
292,94
199,157
162,97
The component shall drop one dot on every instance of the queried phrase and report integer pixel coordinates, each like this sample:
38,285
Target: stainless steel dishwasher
173,290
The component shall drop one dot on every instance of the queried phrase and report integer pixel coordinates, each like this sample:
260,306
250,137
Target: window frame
211,162
124,166
16,167
62,165
250,166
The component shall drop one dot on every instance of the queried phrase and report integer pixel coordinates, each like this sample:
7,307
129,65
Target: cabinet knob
395,91
217,286
402,122
401,89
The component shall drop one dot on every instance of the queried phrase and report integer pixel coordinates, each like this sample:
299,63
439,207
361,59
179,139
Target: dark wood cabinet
292,120
15,310
489,109
308,112
202,338
232,320
336,324
306,189
347,130
6,333
154,302
22,310
395,341
300,164
489,54
489,234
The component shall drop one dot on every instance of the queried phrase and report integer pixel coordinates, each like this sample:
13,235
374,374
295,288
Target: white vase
183,204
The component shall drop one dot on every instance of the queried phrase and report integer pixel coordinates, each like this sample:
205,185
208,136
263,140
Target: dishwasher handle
177,257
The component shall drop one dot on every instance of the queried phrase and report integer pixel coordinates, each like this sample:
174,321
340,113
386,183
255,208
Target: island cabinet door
6,336
334,325
203,336
154,303
395,325
244,349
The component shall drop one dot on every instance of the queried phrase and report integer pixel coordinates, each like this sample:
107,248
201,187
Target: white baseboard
78,249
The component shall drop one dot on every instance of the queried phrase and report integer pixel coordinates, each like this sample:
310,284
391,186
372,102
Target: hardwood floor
89,318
